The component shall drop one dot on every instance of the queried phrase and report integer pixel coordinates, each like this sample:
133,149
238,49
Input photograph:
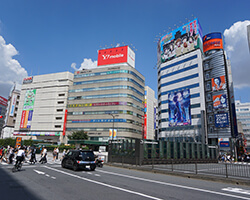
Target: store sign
115,56
221,120
212,41
3,101
28,80
37,133
224,142
181,41
12,105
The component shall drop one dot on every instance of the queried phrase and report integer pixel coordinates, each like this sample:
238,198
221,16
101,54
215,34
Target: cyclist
20,156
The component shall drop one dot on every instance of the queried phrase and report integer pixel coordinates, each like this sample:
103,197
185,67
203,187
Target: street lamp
113,123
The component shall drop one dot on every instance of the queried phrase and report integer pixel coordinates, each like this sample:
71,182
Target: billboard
28,106
220,101
12,105
3,101
181,40
28,80
221,120
212,41
179,108
115,56
218,83
223,142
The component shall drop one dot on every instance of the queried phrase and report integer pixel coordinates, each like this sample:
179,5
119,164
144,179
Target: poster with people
218,83
220,101
181,40
179,108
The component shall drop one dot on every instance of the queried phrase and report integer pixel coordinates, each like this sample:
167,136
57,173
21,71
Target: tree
79,135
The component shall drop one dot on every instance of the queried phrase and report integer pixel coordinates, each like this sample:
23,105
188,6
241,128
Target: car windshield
87,155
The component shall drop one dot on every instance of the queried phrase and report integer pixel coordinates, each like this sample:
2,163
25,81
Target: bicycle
17,166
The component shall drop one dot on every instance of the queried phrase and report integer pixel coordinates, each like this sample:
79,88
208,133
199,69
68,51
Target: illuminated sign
180,41
224,142
212,41
116,55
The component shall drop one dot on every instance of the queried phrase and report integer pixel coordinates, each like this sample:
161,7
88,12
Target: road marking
97,175
39,172
173,185
237,190
47,175
104,184
53,177
89,173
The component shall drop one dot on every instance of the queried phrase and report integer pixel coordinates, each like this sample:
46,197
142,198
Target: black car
77,159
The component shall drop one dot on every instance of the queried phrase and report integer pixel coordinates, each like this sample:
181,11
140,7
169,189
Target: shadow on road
11,189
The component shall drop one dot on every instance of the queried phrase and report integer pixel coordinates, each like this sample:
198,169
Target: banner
179,108
220,101
221,120
218,83
12,105
18,142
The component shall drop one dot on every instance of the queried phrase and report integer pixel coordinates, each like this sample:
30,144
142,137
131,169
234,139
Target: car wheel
75,167
92,168
63,164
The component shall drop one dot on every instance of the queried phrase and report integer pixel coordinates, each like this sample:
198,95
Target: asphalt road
51,182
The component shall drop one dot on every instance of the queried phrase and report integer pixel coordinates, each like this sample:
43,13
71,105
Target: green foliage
79,135
29,142
8,141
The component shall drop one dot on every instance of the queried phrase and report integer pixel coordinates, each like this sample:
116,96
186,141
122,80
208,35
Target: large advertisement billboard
179,108
221,120
28,106
3,101
212,41
182,40
220,101
115,56
218,83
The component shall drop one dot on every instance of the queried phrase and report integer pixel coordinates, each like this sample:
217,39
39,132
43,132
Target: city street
50,181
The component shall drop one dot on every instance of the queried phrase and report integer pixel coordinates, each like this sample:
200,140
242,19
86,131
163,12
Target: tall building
42,107
181,101
243,116
107,101
150,114
11,112
3,107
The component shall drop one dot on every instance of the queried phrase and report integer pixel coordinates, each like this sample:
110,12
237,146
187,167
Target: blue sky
40,37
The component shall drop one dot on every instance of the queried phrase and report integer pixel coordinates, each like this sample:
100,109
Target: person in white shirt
20,155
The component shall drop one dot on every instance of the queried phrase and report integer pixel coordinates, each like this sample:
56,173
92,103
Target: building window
58,118
60,95
58,126
209,97
207,75
59,110
208,86
60,102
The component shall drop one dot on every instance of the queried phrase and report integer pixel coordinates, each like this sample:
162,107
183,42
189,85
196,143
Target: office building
181,100
107,101
150,114
3,107
11,112
42,107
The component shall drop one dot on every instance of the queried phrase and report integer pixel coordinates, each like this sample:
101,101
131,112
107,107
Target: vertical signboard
221,120
18,142
65,122
12,105
145,126
212,41
110,134
28,106
179,108
218,83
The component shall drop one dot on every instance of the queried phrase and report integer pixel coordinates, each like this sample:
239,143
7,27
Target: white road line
174,185
97,175
89,173
104,184
53,177
237,190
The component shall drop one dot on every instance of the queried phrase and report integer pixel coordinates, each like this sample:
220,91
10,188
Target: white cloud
10,69
236,46
86,64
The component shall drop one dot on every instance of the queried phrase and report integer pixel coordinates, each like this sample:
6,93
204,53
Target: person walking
54,154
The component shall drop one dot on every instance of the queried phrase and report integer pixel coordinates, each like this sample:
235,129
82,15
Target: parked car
79,159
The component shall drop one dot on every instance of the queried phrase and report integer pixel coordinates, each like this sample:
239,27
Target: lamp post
113,123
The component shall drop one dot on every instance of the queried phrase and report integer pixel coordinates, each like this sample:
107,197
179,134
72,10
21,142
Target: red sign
212,41
112,56
145,126
3,101
23,119
218,83
65,121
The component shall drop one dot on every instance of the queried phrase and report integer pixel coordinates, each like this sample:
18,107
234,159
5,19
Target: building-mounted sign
28,80
212,41
115,56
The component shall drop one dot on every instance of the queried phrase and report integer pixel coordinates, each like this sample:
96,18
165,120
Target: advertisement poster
221,120
182,40
218,83
13,103
179,108
223,142
220,101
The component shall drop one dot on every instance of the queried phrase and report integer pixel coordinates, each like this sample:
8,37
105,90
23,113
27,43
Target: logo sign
220,101
221,120
179,108
218,83
115,56
18,142
180,41
28,80
224,142
212,41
